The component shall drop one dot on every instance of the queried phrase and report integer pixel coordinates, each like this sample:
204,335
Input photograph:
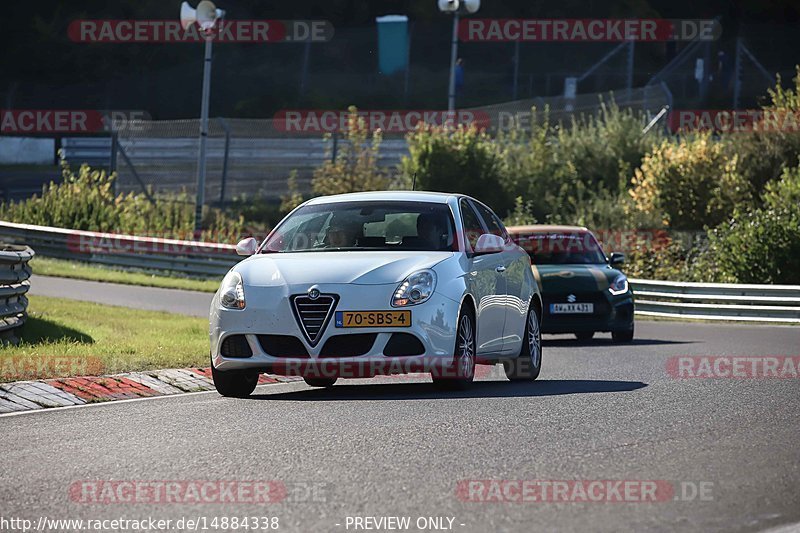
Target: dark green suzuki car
582,290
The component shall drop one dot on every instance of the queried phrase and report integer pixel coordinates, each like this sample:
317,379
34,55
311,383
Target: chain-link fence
256,157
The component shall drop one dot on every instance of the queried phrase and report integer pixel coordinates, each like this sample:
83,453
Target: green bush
561,172
605,148
521,215
355,167
86,201
763,155
759,246
578,172
691,183
669,260
462,159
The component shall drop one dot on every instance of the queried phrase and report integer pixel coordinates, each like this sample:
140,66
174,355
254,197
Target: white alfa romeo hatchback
364,284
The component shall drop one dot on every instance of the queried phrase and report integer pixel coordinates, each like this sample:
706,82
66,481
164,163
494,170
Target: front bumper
269,316
611,313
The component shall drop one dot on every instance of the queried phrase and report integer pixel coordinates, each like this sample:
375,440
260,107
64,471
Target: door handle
500,269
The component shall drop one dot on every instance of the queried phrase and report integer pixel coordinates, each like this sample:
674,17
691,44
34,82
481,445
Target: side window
492,222
472,224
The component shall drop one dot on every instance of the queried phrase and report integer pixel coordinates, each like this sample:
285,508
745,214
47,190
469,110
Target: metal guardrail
199,259
705,301
717,301
14,284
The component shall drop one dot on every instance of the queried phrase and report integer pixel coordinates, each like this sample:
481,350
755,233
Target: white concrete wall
26,151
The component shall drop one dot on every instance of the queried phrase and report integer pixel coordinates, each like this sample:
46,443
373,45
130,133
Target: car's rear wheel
235,383
461,372
584,335
527,366
623,335
320,382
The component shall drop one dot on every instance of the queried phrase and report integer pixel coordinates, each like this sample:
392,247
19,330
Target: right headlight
619,285
231,292
415,289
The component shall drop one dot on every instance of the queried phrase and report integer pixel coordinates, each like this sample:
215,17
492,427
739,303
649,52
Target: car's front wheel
461,372
527,366
235,383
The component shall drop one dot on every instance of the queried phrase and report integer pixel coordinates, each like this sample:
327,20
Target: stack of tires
14,284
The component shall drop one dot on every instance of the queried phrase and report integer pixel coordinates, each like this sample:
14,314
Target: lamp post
206,16
456,7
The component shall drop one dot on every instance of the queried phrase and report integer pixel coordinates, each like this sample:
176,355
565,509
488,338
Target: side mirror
489,243
247,246
617,258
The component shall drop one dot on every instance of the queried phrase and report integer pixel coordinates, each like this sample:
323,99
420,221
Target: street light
456,7
206,16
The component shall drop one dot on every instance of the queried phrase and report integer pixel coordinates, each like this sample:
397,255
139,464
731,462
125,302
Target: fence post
737,74
112,164
516,71
629,74
224,179
135,174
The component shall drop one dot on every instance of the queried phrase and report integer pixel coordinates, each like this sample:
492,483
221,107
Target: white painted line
787,528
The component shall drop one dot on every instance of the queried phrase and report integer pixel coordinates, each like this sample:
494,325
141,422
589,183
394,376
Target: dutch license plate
571,308
373,319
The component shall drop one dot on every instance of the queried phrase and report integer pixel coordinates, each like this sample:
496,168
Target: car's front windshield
563,248
372,225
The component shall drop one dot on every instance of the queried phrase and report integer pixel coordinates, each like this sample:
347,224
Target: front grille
403,344
352,345
283,346
235,346
313,315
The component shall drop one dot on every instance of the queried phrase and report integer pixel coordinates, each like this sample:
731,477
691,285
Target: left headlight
619,285
415,289
231,292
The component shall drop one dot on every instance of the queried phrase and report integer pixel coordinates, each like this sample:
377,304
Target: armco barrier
14,274
717,301
710,301
200,259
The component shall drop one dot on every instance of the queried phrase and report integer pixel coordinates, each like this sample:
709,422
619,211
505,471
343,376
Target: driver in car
342,235
430,230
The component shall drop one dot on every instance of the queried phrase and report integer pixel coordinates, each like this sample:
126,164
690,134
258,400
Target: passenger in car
431,233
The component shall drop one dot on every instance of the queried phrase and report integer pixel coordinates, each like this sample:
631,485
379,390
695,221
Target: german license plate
571,308
373,319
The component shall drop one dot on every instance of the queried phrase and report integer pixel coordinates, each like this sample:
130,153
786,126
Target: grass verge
71,338
47,266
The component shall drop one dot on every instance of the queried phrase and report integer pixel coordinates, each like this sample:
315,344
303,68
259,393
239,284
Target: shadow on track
480,389
600,341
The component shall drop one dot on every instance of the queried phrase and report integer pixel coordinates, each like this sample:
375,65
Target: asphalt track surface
150,298
395,446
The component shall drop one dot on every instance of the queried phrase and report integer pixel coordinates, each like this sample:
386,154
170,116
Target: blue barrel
392,43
